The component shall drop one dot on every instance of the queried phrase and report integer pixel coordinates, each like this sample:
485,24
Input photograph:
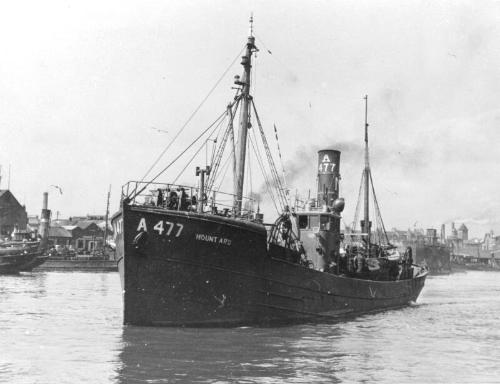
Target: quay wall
79,265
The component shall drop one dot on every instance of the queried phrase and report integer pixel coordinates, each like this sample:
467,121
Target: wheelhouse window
324,222
303,221
314,221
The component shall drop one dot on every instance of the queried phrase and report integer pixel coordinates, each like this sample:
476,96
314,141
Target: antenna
366,119
251,24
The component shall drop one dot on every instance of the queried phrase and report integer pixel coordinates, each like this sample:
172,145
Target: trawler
192,255
22,254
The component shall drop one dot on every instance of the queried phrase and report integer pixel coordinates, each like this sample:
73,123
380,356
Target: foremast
244,125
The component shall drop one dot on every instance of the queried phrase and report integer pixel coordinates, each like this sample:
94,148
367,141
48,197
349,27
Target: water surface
66,328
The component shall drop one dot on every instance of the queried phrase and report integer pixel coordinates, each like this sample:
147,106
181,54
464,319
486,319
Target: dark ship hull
18,261
187,269
37,261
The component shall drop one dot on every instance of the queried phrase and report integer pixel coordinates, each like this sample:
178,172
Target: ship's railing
185,198
17,244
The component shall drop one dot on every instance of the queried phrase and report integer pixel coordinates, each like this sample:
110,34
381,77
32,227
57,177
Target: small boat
16,257
24,256
192,255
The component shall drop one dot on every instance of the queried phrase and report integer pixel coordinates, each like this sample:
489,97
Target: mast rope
264,173
193,114
358,204
222,146
137,193
225,167
261,42
267,180
215,163
188,163
272,166
269,185
204,144
378,210
279,154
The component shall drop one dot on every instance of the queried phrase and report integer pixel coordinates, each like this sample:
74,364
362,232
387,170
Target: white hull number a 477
162,226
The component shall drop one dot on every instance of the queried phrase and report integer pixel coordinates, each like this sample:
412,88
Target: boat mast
246,62
106,218
366,225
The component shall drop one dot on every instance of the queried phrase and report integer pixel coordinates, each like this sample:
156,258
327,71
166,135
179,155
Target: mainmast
366,218
246,62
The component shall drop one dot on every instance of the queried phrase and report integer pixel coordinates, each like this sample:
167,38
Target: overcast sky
88,87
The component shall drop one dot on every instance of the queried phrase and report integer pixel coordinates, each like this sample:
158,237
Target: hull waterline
199,270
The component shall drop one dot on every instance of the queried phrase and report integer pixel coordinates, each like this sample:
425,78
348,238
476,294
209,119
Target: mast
246,62
367,228
106,221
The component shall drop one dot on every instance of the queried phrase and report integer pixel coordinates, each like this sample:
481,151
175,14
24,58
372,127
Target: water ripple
66,328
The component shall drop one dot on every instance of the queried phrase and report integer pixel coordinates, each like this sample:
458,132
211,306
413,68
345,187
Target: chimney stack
45,221
328,177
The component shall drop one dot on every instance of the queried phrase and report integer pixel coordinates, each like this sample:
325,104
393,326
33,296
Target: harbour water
66,328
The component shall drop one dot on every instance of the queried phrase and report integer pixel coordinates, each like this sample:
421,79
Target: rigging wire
376,231
215,142
189,162
220,150
274,56
270,160
269,185
358,204
205,144
267,181
193,114
225,167
177,158
266,177
253,72
279,154
378,210
214,146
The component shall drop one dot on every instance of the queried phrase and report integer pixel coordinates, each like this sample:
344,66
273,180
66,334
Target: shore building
12,214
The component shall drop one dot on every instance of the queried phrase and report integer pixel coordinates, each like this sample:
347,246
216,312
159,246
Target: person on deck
406,265
409,256
183,200
159,198
359,261
342,262
172,200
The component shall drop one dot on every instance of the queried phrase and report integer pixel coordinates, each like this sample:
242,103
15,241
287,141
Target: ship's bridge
319,232
316,220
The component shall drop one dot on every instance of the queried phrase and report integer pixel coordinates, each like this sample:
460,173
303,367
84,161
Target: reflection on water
223,355
59,328
451,336
66,327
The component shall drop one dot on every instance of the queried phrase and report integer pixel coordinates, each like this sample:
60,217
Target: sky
88,89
